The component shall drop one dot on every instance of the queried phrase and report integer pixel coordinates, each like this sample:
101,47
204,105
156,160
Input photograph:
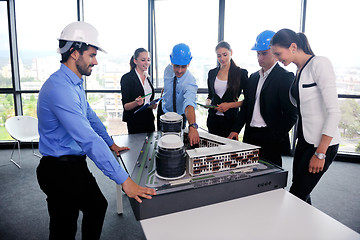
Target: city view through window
38,58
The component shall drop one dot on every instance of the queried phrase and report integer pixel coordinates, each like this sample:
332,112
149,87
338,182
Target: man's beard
83,70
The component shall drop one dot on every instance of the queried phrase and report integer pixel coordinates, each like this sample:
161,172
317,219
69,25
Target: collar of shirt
257,120
178,80
186,89
138,74
265,74
169,74
146,86
72,76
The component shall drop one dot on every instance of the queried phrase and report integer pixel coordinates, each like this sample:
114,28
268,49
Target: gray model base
200,191
198,197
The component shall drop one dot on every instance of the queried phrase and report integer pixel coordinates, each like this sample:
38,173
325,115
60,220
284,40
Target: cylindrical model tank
170,157
171,122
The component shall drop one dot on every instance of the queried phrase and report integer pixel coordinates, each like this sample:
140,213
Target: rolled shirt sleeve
189,90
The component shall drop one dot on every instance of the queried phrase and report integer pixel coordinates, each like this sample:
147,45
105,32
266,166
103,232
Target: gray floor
23,212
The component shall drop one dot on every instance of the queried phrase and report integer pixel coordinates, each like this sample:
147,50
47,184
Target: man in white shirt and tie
267,112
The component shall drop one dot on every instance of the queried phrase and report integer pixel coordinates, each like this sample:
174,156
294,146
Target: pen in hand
146,95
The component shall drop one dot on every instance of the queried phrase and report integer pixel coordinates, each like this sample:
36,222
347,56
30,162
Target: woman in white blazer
314,93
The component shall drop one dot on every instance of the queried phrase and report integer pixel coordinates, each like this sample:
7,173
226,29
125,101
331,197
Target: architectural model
216,154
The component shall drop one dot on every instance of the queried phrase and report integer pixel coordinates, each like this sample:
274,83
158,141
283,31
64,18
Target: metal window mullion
14,58
152,42
80,10
150,37
302,29
221,20
303,15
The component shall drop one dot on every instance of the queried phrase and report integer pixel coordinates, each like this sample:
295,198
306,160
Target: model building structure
216,154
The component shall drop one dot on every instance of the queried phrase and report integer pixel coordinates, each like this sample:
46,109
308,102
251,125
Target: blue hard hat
263,41
181,54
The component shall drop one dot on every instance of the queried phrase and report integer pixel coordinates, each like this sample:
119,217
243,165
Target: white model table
275,214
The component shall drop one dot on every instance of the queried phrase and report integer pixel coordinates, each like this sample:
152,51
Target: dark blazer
228,95
131,88
275,106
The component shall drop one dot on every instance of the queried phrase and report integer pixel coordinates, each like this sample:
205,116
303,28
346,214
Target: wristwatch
320,156
194,125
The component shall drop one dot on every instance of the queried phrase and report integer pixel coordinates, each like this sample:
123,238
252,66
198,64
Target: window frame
16,91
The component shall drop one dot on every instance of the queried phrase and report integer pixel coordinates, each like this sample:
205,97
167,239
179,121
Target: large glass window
332,34
6,111
350,125
201,113
29,102
122,31
123,27
194,23
108,108
244,20
5,67
37,35
6,100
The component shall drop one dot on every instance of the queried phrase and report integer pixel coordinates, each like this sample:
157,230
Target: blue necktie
174,94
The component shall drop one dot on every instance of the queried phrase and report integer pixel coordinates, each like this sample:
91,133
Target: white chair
22,129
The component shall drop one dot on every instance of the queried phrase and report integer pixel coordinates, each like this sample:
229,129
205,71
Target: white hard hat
80,32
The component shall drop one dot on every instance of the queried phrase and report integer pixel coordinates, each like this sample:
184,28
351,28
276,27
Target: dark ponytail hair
234,73
135,56
285,37
223,44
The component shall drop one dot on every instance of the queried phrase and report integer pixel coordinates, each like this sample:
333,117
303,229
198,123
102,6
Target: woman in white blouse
137,90
314,93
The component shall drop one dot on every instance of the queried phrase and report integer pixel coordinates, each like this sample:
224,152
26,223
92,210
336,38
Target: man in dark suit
267,111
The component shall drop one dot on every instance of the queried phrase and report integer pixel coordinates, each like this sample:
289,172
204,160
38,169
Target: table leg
119,203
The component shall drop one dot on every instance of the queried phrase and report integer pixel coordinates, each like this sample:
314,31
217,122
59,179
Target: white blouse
220,87
146,86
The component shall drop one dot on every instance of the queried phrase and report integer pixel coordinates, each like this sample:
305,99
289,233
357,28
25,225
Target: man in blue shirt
69,130
180,89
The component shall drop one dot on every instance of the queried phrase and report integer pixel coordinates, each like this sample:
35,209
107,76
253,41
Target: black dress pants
70,188
140,127
304,182
219,125
271,147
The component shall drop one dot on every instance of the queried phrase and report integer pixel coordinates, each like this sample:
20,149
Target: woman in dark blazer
137,90
225,84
